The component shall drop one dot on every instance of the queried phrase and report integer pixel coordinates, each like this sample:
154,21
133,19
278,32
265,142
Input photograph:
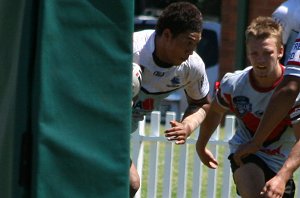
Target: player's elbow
290,87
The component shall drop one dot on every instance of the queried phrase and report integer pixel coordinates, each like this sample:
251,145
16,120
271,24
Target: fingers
263,192
179,139
238,159
175,136
273,189
179,142
270,194
213,164
176,133
207,158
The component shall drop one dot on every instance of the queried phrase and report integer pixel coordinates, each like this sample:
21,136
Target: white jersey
248,102
293,64
288,15
159,82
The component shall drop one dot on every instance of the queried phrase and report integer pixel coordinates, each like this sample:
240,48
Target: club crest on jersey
175,82
242,105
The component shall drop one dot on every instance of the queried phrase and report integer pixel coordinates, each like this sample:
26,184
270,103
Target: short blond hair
264,27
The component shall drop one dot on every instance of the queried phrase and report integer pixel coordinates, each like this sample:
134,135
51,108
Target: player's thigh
249,179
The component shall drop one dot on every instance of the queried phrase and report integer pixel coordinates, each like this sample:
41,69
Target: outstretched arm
276,185
279,105
192,118
208,126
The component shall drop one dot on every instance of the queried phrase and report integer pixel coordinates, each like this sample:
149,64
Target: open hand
178,132
207,158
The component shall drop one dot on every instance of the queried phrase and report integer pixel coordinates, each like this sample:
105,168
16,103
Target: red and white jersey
240,95
159,82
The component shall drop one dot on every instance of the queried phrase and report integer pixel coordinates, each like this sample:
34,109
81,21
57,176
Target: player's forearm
208,127
194,116
291,164
193,120
279,105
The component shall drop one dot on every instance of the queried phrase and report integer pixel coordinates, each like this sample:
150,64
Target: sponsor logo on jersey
158,73
242,105
175,82
147,104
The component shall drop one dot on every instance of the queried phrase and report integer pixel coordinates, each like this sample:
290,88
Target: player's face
264,56
179,48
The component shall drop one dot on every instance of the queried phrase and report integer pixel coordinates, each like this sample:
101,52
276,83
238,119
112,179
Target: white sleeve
293,64
282,15
295,113
198,88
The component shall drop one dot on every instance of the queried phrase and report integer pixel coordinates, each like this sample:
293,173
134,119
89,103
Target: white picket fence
210,187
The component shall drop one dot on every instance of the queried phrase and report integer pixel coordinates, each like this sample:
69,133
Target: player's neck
159,53
272,80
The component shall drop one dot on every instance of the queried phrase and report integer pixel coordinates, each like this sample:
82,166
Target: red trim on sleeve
293,63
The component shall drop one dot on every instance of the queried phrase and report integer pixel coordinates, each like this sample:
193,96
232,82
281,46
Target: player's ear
167,33
280,52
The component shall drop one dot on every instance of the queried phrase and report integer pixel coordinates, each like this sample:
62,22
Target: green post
65,81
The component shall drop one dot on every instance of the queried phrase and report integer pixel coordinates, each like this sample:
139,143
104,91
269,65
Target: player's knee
134,184
134,180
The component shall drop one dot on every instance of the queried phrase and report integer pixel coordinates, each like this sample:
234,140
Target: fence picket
167,181
181,187
154,150
227,174
197,181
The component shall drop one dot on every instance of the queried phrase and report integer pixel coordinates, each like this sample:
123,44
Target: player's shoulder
141,38
236,76
237,73
143,34
288,15
195,62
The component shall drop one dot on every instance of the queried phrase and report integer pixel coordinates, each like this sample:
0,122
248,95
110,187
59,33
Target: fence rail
192,178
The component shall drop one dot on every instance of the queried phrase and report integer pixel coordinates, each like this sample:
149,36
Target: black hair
180,17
